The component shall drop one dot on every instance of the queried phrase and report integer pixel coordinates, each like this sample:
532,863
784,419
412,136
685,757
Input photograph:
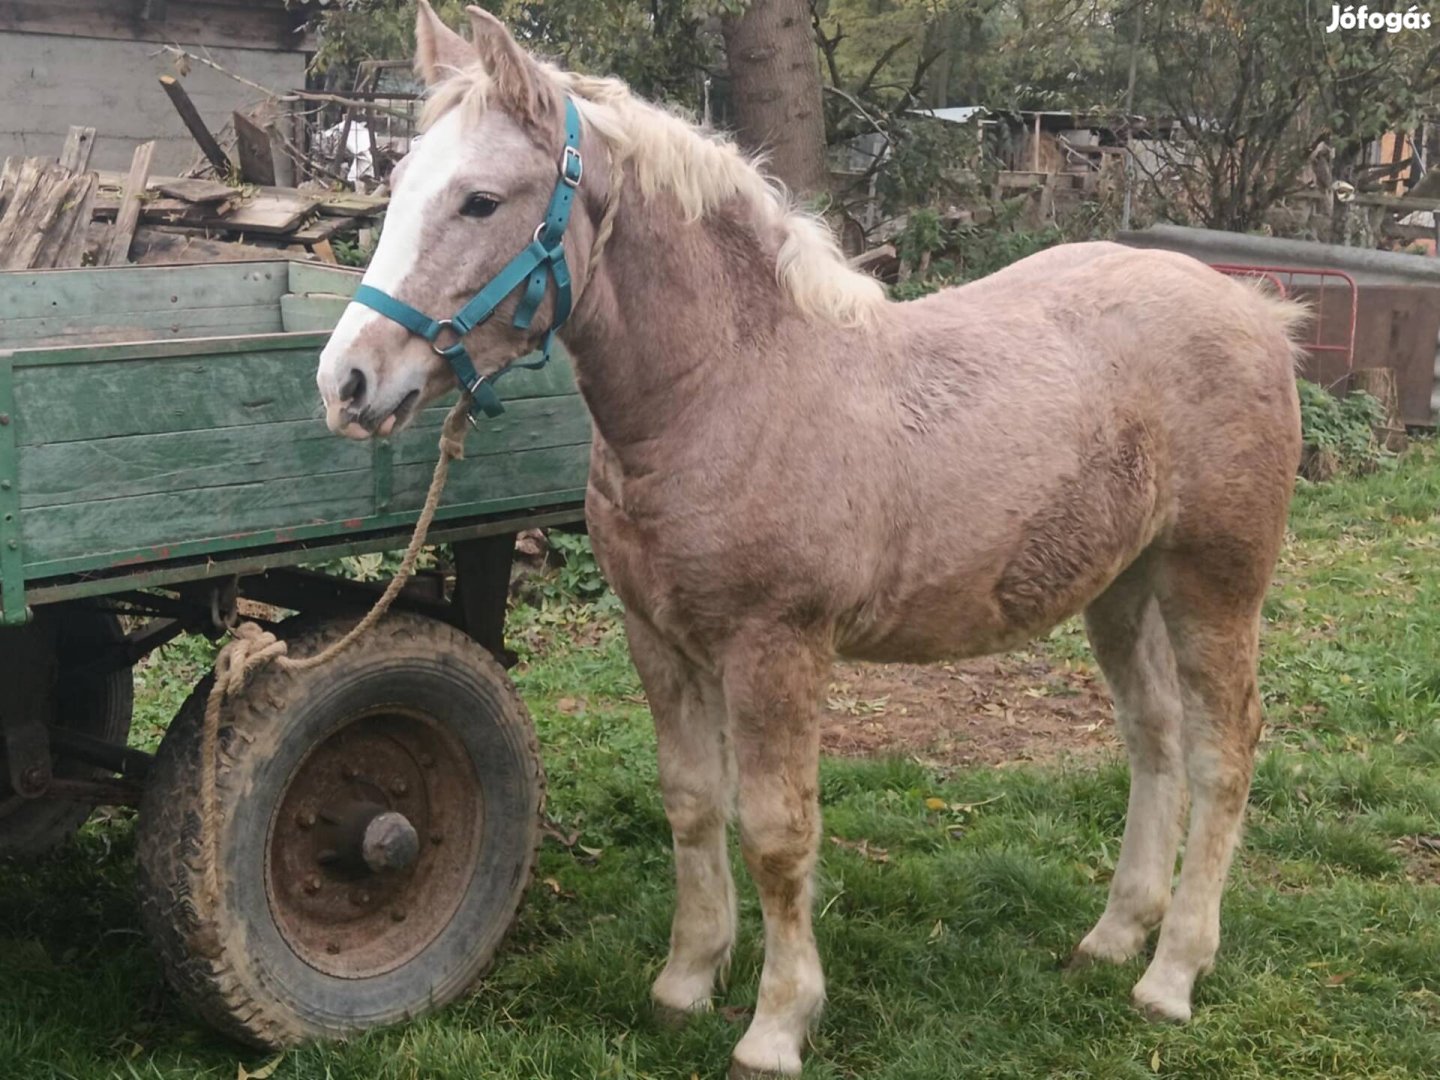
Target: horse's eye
479,206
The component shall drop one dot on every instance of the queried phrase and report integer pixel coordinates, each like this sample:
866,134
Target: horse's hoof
673,1017
1106,945
747,1072
756,1064
1159,1006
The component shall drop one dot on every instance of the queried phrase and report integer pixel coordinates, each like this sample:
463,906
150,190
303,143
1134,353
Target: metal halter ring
441,327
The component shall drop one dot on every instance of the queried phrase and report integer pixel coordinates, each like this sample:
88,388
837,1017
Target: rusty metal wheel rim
374,842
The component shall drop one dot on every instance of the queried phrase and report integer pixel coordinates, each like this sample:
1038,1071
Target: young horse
1095,429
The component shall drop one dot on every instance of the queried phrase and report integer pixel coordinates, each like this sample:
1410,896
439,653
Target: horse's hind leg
697,785
1131,644
1210,600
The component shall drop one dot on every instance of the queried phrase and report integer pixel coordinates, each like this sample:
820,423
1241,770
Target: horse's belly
939,623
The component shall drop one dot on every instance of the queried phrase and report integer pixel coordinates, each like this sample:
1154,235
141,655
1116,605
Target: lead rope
251,646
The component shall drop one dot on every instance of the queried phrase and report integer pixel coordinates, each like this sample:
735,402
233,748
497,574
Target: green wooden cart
162,469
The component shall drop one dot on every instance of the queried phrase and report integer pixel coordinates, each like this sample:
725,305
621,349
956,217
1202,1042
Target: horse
1093,430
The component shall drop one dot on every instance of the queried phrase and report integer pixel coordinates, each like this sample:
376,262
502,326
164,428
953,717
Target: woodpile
59,213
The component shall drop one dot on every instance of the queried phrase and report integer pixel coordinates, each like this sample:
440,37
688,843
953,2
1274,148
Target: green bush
937,255
1339,432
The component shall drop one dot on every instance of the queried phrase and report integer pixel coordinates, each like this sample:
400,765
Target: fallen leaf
1338,979
933,803
263,1073
1155,1060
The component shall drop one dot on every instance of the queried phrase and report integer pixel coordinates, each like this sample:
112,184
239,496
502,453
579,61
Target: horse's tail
1290,315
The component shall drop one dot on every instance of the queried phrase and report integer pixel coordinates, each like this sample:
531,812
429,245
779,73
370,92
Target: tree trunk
775,82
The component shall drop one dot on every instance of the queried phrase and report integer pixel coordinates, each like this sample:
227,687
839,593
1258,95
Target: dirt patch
992,711
1422,858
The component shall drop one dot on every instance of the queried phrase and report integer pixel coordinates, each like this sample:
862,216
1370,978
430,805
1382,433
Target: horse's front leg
697,784
772,695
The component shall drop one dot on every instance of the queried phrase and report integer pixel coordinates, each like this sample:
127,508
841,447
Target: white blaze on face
428,171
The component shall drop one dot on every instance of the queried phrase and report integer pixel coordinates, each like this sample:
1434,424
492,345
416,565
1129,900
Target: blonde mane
702,171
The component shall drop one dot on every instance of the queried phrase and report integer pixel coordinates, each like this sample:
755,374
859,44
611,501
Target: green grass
943,961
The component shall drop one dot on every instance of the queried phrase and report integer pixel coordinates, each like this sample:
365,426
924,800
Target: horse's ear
515,77
439,51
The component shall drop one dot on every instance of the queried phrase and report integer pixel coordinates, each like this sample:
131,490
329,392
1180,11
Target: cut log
1380,384
117,251
191,116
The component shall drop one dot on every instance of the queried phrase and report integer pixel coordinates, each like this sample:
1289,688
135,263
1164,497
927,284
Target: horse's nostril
354,388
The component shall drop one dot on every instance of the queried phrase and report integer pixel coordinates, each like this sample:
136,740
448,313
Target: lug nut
332,948
398,787
305,820
312,884
398,915
360,898
349,772
437,837
427,761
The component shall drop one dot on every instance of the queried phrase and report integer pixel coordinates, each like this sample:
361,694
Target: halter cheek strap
541,261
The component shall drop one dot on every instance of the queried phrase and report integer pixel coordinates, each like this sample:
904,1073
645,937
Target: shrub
1339,433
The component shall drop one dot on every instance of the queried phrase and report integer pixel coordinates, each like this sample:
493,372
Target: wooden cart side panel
94,471
150,302
162,450
269,384
288,511
302,278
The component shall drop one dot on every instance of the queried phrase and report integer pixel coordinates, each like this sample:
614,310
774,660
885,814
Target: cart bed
167,417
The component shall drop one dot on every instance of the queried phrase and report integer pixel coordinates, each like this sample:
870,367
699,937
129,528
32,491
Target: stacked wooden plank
213,219
61,214
45,206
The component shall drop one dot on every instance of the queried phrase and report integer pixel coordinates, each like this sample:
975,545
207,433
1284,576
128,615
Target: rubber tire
101,705
240,974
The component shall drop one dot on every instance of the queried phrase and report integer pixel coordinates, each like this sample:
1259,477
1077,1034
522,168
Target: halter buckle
570,158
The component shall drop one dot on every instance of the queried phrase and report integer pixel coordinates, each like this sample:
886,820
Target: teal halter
542,259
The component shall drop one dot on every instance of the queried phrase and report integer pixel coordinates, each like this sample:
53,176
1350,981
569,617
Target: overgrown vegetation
1242,104
944,958
1339,432
934,253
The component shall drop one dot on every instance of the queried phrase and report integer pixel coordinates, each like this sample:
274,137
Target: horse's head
468,198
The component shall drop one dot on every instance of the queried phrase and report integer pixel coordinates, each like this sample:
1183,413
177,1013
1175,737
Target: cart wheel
99,705
380,818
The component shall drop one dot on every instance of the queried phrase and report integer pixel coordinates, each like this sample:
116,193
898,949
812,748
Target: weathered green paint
383,465
80,294
95,470
157,452
303,277
311,312
12,568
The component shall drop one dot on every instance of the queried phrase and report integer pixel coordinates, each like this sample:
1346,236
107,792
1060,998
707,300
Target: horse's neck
678,312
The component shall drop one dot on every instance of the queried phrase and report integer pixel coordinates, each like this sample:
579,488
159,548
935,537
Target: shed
95,62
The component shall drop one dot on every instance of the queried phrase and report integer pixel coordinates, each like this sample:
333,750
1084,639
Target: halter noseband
542,259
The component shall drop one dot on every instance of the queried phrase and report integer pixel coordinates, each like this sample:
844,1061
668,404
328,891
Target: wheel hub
373,844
